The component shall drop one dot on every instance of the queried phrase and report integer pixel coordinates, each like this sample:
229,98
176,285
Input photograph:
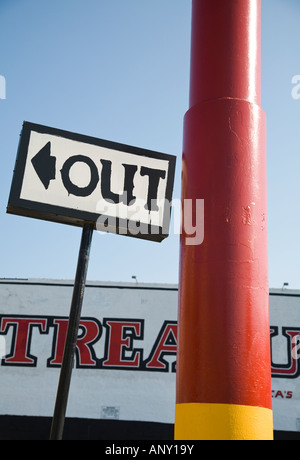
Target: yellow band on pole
201,421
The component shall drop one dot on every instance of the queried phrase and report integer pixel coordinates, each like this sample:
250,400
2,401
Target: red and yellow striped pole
223,369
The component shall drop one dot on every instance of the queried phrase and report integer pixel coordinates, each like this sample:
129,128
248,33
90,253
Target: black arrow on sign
44,165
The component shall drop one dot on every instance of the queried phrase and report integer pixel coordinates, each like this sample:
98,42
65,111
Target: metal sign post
88,182
72,334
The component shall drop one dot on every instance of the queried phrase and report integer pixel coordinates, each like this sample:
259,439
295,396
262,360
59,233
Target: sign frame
60,214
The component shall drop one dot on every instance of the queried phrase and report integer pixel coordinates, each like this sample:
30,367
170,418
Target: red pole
224,368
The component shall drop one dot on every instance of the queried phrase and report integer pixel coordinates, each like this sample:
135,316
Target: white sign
71,178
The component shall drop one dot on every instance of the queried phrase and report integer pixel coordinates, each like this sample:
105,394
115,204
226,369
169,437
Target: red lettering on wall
119,351
21,339
292,368
165,344
90,331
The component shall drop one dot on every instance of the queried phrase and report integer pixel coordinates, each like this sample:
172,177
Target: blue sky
119,70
